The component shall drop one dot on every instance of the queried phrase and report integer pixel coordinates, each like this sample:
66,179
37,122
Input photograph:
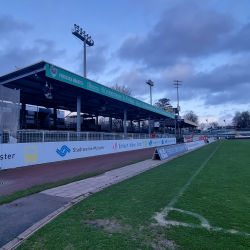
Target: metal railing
24,136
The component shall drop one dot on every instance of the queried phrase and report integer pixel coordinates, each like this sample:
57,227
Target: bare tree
103,122
191,116
214,125
202,126
163,103
122,89
241,120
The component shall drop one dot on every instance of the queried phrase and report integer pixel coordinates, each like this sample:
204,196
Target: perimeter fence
21,136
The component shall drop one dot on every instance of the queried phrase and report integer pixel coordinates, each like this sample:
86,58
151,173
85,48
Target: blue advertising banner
166,152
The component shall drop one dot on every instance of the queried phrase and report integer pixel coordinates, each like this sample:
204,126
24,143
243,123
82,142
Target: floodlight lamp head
150,83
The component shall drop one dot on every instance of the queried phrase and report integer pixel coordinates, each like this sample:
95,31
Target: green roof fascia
59,74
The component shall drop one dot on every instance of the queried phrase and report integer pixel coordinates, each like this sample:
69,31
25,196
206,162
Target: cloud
225,84
184,31
16,53
134,79
96,60
24,56
9,25
228,83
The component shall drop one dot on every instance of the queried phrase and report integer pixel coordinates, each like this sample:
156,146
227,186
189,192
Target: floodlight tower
177,84
151,84
86,39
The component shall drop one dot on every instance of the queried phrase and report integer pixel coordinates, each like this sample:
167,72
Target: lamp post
151,84
177,84
176,115
86,39
225,123
207,123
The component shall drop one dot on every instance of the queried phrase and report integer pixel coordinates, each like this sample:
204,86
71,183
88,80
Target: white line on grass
176,198
161,217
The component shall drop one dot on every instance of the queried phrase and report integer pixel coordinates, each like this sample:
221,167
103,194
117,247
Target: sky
204,44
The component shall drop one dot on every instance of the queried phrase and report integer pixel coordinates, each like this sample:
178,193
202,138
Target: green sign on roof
70,78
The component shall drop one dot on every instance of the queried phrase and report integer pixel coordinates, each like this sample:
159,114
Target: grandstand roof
97,99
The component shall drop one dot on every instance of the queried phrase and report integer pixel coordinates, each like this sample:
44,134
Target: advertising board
167,152
202,138
193,145
188,139
24,154
210,140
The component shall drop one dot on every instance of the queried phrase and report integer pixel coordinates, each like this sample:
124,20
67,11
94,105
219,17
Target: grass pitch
202,199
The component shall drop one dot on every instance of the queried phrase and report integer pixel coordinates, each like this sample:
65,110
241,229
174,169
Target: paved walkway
94,184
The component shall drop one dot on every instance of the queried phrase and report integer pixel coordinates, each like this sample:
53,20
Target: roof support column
23,115
149,129
139,126
125,121
131,124
55,117
96,122
110,123
78,108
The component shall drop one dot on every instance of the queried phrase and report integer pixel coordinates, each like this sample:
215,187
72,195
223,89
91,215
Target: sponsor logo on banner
150,143
202,138
63,151
162,142
115,146
91,86
193,145
77,150
145,143
188,139
53,70
30,154
170,151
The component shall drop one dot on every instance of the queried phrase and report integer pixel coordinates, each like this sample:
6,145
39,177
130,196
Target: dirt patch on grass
70,246
109,225
161,243
160,240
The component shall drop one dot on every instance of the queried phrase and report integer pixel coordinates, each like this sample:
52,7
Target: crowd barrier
23,136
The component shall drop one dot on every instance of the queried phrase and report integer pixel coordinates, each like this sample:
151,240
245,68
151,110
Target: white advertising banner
23,154
210,140
193,145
